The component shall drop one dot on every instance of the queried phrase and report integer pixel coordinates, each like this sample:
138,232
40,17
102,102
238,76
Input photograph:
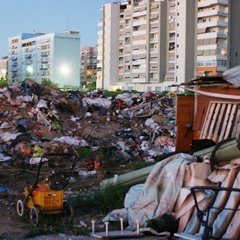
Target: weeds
102,201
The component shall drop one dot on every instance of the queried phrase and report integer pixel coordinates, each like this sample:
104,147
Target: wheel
69,212
34,215
20,208
72,214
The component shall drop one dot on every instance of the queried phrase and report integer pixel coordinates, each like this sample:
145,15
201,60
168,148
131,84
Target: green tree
48,83
3,82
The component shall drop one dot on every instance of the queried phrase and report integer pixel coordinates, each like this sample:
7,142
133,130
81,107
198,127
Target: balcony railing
212,24
212,2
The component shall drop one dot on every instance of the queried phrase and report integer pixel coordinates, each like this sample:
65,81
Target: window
158,89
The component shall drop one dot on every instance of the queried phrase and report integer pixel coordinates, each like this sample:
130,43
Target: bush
48,83
3,82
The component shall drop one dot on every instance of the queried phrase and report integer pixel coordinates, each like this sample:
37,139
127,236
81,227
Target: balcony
153,50
139,22
212,2
138,14
100,24
138,80
14,59
139,61
211,13
140,3
138,42
153,30
172,39
153,40
139,70
212,24
154,61
28,56
138,52
212,35
139,33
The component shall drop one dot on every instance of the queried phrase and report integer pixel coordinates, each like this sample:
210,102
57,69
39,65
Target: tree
48,83
3,81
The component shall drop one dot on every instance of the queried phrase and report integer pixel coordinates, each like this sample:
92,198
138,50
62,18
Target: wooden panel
184,109
236,128
221,121
202,102
184,121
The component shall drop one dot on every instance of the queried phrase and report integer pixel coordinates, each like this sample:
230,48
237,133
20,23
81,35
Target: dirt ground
102,131
14,227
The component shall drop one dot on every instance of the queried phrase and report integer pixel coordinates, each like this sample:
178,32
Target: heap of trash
35,120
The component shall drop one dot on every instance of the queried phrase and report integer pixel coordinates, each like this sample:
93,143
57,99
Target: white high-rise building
218,36
38,56
139,42
154,44
107,66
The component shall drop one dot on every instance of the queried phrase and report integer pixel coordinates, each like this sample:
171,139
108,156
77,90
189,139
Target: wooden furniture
222,121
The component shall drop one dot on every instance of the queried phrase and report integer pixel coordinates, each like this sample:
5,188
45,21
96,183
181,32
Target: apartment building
217,34
154,44
107,59
39,56
88,64
3,67
141,40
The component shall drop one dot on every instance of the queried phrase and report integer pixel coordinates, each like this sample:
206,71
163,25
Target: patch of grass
37,231
80,231
54,224
105,200
139,165
85,152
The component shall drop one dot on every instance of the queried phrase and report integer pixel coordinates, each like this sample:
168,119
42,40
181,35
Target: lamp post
29,70
3,73
65,71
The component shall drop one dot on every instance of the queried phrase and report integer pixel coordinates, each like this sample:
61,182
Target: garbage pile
35,120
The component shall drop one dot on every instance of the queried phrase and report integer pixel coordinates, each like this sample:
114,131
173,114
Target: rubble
35,120
106,134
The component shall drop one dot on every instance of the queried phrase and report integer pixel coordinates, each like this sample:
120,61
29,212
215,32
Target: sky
48,16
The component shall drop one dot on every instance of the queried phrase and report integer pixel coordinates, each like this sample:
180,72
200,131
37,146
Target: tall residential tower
88,64
39,56
140,40
154,44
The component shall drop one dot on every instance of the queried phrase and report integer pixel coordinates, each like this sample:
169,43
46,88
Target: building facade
88,65
39,56
155,44
213,38
141,40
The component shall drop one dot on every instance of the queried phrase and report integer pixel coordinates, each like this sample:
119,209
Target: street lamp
4,71
65,70
30,69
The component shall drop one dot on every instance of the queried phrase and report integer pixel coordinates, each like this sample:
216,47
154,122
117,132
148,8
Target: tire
69,212
20,208
34,215
72,214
